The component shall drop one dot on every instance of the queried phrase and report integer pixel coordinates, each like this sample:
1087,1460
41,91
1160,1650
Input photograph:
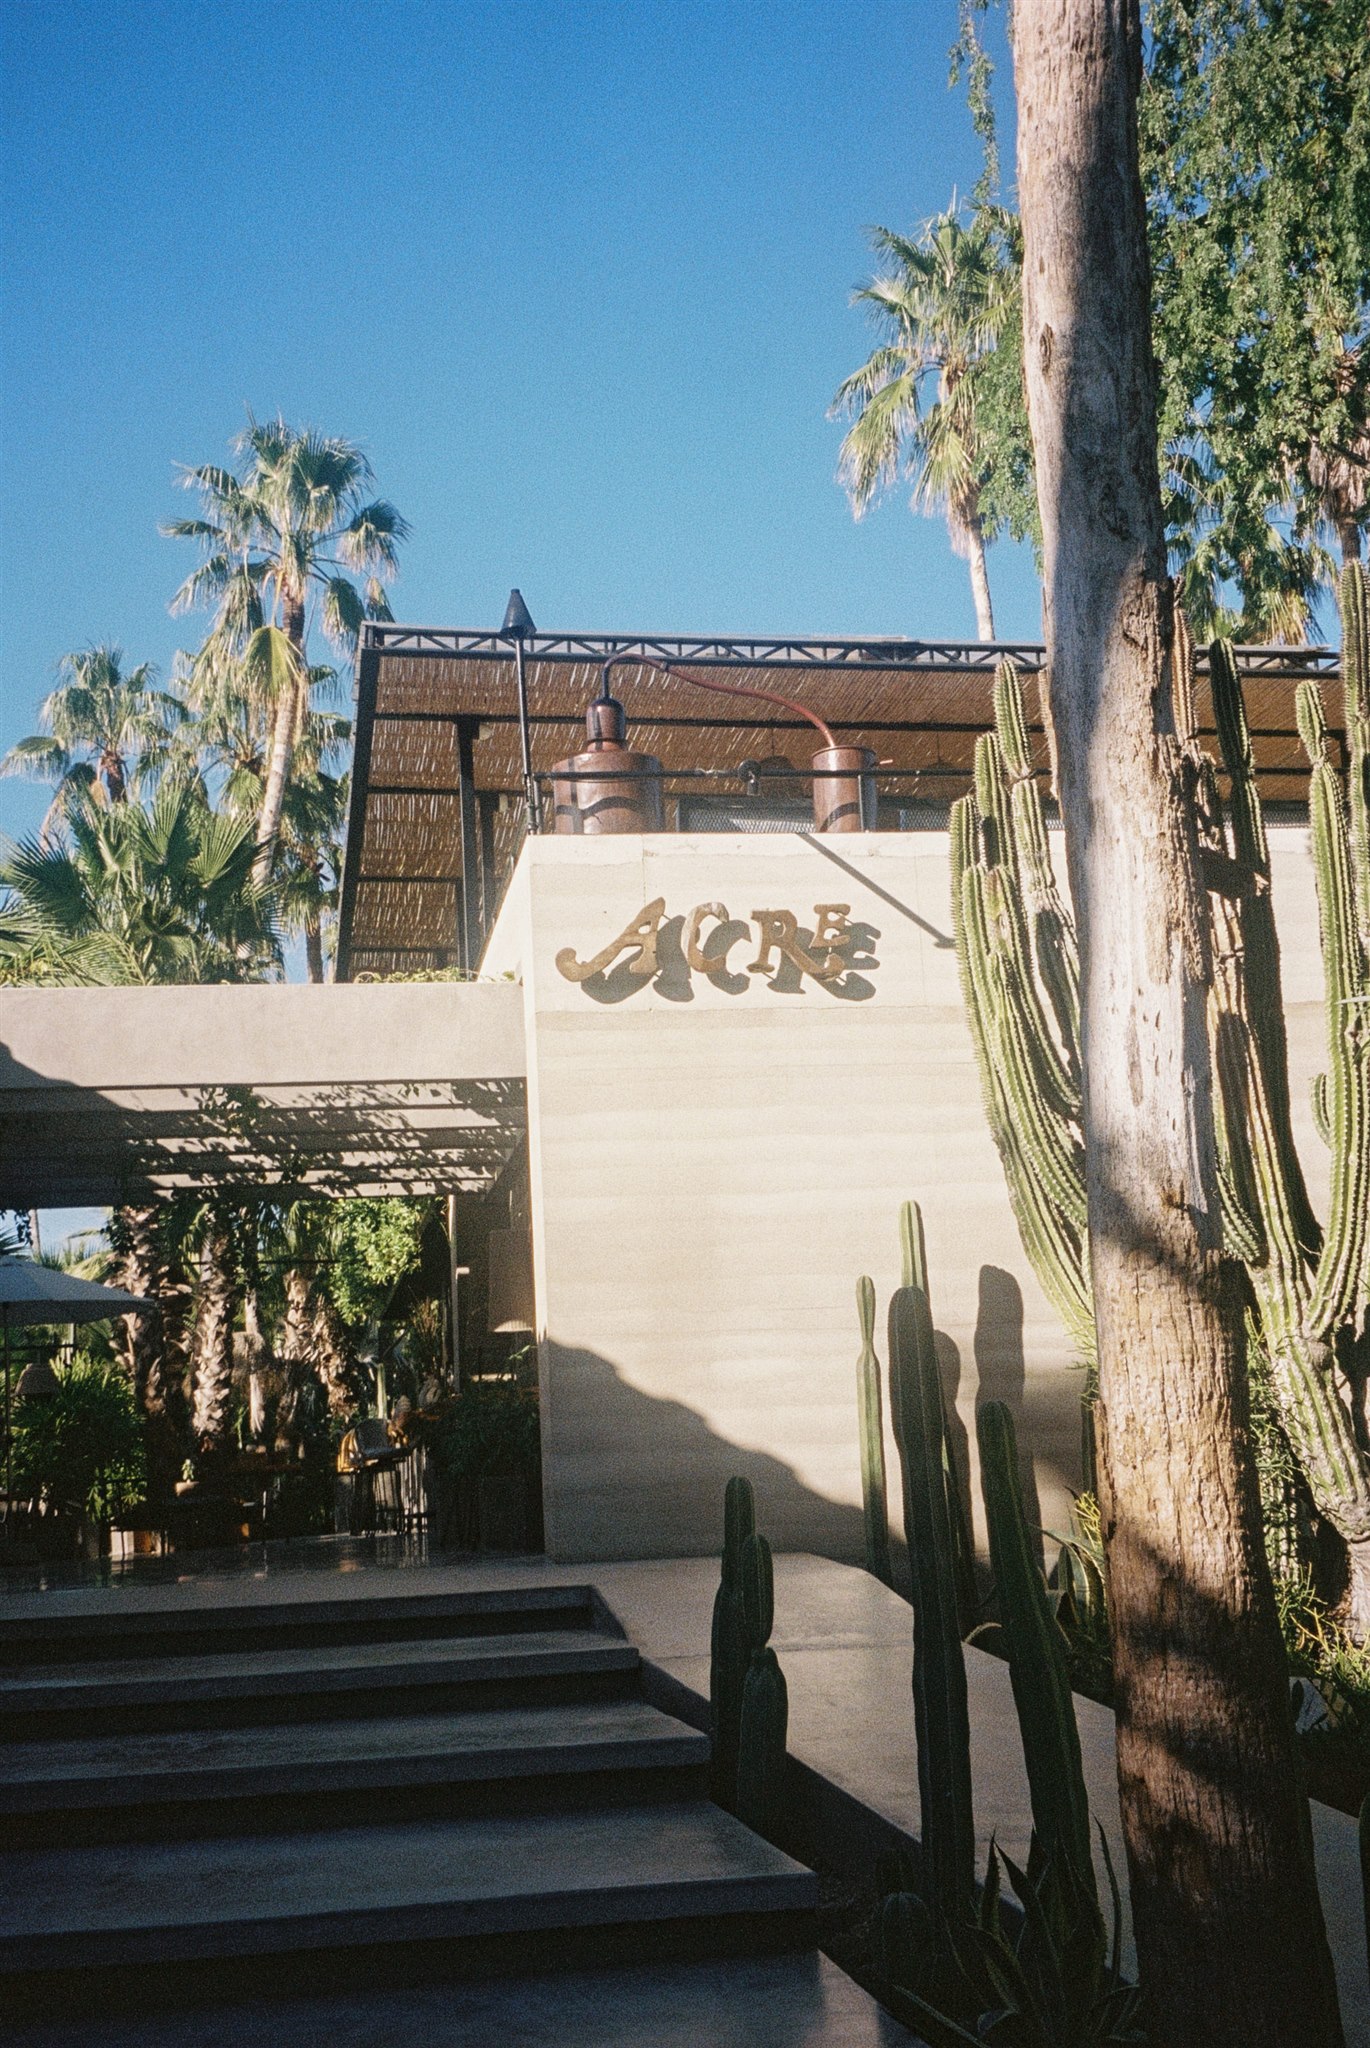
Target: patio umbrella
30,1293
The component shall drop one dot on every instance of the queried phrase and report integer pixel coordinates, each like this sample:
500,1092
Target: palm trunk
147,1348
285,726
212,1345
979,580
313,947
1225,1907
1349,540
294,1353
333,1358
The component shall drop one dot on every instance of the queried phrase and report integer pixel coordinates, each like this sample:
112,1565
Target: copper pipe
730,689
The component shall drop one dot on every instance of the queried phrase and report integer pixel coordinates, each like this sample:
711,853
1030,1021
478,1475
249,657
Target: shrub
80,1449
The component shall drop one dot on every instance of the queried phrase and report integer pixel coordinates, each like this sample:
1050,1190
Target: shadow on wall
635,1475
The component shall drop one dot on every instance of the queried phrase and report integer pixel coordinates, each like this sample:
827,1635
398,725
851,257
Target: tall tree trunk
211,1348
979,579
147,1346
1349,538
313,946
258,1361
284,730
1229,1929
294,1351
333,1358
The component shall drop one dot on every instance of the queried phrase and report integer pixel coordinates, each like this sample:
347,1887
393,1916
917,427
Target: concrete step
772,2001
496,1889
255,1779
60,1629
113,1696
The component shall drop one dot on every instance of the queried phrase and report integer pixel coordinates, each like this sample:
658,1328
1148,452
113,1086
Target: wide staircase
368,1802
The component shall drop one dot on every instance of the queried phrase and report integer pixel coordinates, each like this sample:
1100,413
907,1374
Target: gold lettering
778,931
696,958
832,932
639,937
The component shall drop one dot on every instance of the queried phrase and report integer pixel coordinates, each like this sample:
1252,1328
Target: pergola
447,719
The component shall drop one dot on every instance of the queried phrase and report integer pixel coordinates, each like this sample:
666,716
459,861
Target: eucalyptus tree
104,732
1229,1932
283,538
940,399
159,892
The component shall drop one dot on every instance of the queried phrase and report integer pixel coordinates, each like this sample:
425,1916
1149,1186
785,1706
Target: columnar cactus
941,1720
913,1259
870,1416
1016,953
1036,1656
764,1718
730,1649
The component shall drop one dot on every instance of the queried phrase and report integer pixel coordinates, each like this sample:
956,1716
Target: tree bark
313,947
1228,1926
147,1346
1349,538
979,580
285,726
212,1345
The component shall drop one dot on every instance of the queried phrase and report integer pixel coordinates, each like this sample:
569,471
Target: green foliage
161,892
1047,1977
491,1431
104,733
80,1448
1255,133
374,1245
941,399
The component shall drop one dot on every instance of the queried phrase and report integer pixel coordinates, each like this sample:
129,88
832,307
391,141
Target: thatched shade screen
437,795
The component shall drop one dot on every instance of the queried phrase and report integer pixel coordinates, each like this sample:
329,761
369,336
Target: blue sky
576,276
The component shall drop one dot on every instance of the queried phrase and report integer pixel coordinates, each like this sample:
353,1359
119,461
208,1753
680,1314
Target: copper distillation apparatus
609,788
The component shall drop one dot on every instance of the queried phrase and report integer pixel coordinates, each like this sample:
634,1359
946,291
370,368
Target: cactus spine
1016,953
870,1415
941,1720
764,1717
1036,1656
730,1649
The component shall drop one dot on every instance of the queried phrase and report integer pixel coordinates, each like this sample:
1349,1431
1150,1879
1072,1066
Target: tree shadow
628,1474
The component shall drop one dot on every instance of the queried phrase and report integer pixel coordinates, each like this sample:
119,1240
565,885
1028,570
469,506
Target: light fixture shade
518,620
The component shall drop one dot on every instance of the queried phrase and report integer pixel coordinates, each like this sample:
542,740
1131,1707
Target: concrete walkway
845,1644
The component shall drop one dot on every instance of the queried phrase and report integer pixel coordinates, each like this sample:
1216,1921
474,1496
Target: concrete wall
715,1159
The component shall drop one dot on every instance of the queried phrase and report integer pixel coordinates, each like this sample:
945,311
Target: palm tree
160,893
282,537
944,304
229,743
103,732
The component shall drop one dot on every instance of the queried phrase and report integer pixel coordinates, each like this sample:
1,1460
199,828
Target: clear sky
576,276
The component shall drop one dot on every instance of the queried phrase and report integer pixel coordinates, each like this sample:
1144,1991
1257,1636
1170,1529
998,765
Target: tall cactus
1036,1656
941,1718
1016,954
913,1260
764,1718
870,1416
730,1651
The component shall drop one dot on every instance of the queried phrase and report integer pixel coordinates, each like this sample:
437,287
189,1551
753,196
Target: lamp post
518,623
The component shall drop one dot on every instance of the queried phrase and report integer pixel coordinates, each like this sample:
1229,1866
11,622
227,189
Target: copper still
607,788
844,792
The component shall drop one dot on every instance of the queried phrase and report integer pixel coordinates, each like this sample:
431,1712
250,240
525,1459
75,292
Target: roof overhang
437,777
125,1094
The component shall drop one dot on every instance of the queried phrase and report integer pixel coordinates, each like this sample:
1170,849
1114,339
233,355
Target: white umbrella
30,1293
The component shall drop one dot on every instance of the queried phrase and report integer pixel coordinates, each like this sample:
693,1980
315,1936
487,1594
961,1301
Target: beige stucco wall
714,1164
